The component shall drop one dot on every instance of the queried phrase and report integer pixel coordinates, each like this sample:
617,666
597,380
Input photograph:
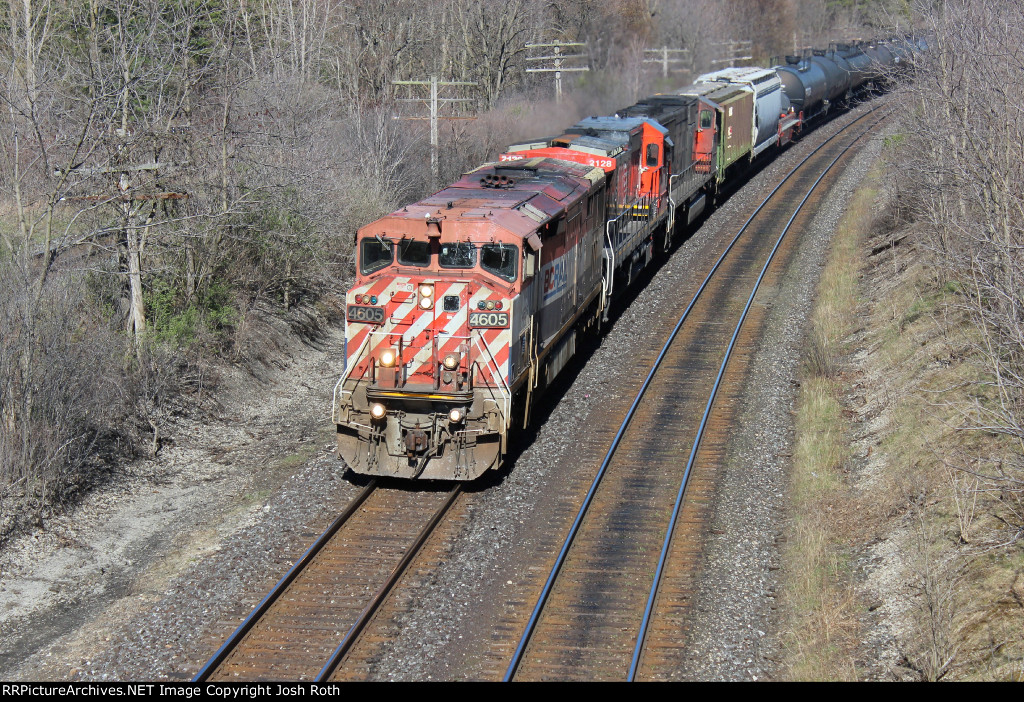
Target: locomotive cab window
457,255
500,259
705,119
652,155
374,253
414,253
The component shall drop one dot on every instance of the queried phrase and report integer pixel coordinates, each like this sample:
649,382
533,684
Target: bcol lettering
555,279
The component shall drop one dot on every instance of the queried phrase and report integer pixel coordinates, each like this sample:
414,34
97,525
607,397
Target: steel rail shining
648,611
535,616
382,592
228,646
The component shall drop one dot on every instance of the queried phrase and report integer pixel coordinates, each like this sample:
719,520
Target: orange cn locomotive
465,303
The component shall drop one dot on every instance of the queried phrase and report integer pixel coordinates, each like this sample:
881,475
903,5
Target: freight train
468,303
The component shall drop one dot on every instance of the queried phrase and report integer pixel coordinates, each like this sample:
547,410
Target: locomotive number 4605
488,319
371,315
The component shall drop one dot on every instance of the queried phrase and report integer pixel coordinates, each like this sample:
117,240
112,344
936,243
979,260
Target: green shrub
206,318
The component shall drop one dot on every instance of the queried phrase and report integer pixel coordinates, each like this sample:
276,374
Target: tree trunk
137,307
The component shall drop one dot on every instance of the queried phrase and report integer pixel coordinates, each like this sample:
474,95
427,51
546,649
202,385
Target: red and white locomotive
468,303
461,300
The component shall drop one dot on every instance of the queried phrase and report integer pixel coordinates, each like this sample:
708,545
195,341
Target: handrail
496,372
491,365
346,374
611,260
671,225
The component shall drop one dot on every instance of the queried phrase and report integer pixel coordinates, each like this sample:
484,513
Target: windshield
457,255
374,253
414,253
500,259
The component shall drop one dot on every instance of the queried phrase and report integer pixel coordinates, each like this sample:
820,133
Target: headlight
451,361
377,411
426,303
426,290
456,415
490,304
388,358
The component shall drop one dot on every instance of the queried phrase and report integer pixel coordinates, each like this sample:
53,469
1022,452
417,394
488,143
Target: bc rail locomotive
468,303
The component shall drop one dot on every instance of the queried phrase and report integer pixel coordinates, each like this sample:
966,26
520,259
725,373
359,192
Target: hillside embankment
904,559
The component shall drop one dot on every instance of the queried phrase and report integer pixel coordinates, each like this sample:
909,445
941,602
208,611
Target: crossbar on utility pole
662,56
433,102
558,68
735,48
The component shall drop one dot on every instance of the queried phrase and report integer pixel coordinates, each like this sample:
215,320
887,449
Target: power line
735,50
666,56
558,66
433,102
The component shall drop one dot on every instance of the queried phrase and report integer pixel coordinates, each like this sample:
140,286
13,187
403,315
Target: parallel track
308,621
589,621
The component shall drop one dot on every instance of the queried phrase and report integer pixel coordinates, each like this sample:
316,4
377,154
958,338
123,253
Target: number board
366,315
488,319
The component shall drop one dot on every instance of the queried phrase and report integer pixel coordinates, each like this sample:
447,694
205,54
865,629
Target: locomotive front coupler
416,441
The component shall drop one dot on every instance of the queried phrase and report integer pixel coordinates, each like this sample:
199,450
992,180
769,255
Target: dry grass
818,596
818,592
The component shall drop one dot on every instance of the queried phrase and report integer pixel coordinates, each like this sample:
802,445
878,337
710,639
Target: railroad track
615,603
305,626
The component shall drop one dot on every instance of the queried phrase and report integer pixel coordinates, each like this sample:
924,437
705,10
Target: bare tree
494,39
965,128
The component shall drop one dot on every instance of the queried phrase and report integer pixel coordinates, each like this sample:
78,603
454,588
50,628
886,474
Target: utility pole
130,202
735,50
666,56
432,103
557,57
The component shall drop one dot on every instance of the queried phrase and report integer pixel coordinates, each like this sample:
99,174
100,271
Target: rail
574,528
275,592
352,635
677,507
